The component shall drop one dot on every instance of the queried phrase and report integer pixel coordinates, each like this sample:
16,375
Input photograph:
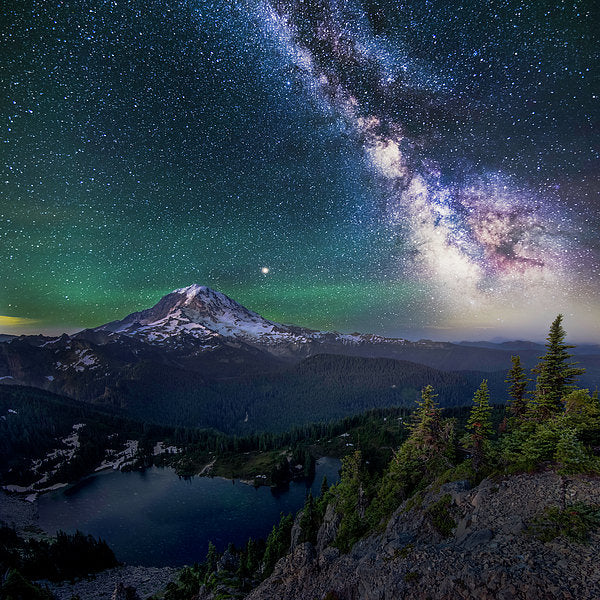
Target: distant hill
525,346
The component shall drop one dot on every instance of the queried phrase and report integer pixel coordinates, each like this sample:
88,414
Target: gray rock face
296,531
470,541
328,529
457,489
488,556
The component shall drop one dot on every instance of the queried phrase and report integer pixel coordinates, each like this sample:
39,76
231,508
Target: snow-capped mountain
208,318
199,312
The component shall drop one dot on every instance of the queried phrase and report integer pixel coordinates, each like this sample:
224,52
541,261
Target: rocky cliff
488,551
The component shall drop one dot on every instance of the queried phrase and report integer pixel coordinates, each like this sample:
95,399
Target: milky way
485,241
410,168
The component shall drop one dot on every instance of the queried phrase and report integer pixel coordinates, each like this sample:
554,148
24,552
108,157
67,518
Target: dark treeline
32,420
320,388
64,557
395,453
215,441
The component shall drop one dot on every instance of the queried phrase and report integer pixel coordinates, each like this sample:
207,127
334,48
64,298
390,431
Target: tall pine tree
424,455
517,388
480,425
555,374
427,421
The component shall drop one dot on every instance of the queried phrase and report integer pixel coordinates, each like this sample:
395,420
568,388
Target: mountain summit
200,314
195,311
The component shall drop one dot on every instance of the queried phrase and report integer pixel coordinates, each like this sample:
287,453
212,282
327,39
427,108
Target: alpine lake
156,518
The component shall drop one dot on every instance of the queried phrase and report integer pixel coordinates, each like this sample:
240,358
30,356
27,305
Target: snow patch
191,291
160,448
86,360
118,460
50,342
62,456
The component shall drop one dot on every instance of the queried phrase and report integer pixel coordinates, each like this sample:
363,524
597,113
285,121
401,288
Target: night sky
418,168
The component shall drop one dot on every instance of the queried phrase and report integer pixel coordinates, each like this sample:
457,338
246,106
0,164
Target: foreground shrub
575,522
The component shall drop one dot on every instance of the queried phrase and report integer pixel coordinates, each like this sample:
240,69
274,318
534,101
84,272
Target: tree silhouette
517,388
555,374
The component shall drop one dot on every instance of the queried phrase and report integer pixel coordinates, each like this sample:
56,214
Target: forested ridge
320,388
159,404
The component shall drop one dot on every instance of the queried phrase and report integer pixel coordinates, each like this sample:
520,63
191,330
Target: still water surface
155,518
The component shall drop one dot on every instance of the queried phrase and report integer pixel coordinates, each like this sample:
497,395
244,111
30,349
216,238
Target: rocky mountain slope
489,553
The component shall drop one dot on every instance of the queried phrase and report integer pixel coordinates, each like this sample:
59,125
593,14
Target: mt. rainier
203,315
198,311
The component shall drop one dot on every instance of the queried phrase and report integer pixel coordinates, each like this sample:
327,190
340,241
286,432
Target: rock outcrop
123,592
488,555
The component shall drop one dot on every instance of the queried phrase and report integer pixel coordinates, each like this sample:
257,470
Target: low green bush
575,522
440,517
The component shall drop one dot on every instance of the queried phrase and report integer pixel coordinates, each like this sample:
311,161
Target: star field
409,168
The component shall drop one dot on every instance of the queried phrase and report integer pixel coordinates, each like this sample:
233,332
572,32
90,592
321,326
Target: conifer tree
480,425
516,390
427,421
347,497
309,465
278,543
555,374
324,487
212,556
250,560
309,525
421,457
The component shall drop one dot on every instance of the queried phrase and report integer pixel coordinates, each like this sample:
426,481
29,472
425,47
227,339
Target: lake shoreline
23,515
186,513
146,580
152,577
19,507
